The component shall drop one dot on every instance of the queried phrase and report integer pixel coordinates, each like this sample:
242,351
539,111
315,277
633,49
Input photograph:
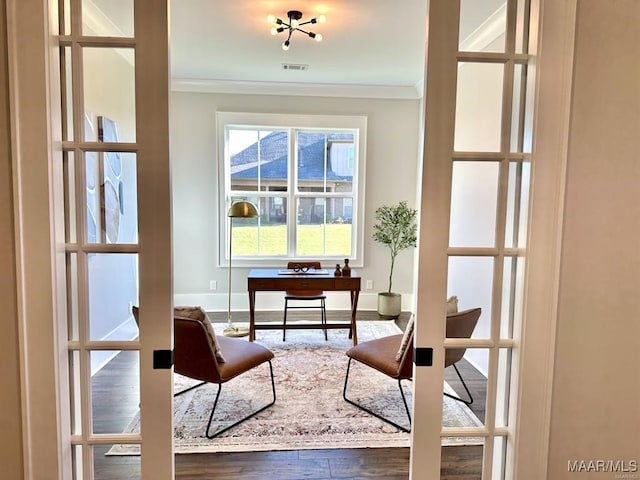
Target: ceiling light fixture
294,17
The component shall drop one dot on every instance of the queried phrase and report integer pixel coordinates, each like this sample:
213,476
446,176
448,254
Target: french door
114,86
91,92
475,206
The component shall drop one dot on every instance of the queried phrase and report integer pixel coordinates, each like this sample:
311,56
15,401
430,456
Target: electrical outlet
369,285
213,285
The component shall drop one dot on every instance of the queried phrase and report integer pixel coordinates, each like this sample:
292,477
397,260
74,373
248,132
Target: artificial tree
396,228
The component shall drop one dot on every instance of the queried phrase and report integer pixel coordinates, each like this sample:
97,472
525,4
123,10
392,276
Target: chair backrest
460,325
304,264
406,362
304,293
194,355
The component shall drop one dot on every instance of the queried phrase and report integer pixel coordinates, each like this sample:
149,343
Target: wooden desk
269,280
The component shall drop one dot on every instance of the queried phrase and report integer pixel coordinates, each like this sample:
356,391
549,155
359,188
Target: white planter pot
389,305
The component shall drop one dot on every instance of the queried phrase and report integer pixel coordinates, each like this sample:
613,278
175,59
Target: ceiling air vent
298,67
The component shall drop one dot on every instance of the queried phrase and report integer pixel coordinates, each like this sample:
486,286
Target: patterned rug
309,412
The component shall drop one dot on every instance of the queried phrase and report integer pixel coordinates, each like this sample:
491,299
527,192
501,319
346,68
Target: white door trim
554,74
31,57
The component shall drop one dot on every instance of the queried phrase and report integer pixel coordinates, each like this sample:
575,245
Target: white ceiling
371,48
368,45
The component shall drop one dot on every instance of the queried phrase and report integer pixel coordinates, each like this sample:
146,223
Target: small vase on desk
346,270
337,272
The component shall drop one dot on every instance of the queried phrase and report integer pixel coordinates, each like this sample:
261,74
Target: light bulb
294,23
271,18
321,19
318,37
274,30
285,45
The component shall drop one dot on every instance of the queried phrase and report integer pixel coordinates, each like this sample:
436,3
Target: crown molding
303,89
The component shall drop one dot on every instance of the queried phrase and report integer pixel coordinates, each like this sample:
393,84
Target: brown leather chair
386,355
381,354
460,325
202,355
304,295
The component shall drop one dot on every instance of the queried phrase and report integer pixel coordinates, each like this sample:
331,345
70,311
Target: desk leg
354,308
252,312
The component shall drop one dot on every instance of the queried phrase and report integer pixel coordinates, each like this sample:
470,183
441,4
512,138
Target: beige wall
10,419
392,155
596,406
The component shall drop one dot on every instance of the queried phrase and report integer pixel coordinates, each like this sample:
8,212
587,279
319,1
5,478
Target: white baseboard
127,330
273,301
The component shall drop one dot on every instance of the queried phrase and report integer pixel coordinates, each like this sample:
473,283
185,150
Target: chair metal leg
466,402
284,321
215,403
323,314
370,412
188,389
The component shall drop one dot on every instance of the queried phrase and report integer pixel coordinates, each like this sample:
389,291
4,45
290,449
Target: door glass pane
482,25
322,228
522,26
75,392
517,204
107,18
112,210
115,390
77,462
474,198
64,20
113,290
107,465
499,458
471,280
518,108
473,455
512,295
473,365
478,107
72,297
69,178
109,90
66,83
504,387
258,159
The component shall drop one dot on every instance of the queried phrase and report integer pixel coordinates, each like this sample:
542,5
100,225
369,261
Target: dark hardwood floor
115,401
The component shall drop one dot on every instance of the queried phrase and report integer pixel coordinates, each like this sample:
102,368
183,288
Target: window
305,176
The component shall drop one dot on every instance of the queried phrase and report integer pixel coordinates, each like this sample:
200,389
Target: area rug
309,412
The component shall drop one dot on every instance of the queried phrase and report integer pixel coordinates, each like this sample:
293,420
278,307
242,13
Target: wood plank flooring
115,400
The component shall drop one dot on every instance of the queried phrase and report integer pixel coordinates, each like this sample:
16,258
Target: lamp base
234,331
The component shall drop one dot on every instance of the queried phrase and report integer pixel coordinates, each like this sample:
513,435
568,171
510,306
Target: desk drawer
263,284
346,283
306,284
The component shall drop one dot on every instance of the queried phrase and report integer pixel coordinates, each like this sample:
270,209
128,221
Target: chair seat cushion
240,356
379,354
304,295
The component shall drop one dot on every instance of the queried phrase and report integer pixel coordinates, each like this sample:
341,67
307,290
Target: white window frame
290,121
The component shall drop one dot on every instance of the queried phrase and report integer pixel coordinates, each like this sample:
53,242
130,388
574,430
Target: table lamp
240,209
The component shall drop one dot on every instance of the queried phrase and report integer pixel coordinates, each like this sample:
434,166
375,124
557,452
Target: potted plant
396,228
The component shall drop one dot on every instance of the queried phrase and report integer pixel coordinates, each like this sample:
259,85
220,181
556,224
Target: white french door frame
533,346
36,144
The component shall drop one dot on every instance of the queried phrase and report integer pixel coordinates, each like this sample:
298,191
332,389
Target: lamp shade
243,209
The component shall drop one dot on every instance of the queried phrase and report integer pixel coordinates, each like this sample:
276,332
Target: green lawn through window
335,237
